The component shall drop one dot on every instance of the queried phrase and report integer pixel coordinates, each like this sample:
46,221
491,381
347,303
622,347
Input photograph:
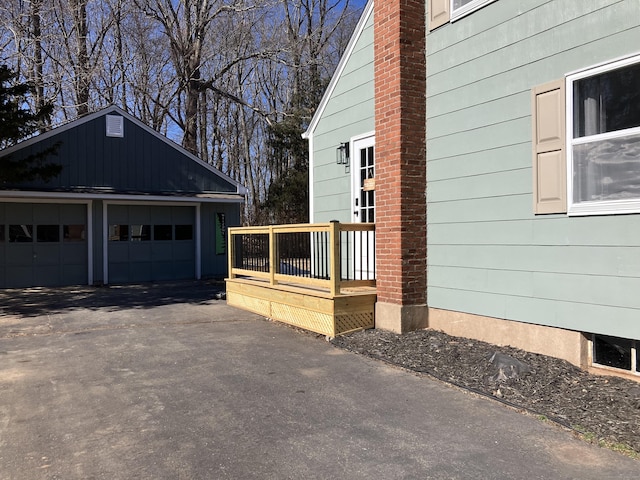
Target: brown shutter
549,158
438,13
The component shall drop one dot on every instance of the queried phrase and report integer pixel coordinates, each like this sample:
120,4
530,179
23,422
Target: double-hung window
603,144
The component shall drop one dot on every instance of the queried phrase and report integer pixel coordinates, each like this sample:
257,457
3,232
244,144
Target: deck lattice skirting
328,292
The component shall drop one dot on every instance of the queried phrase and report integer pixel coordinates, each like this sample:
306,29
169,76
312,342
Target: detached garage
128,206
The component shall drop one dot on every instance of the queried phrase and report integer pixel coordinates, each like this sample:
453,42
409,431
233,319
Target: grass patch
592,438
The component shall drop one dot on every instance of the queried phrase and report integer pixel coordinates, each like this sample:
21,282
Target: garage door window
118,233
140,233
73,233
184,232
162,232
20,233
48,233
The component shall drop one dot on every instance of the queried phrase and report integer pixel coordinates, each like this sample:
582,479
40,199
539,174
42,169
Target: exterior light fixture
342,154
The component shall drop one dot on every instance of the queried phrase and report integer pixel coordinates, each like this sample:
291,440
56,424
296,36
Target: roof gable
357,33
141,161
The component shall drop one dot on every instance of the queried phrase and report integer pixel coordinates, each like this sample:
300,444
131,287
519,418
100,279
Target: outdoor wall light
342,154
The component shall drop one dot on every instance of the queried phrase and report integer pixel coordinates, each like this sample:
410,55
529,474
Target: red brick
400,108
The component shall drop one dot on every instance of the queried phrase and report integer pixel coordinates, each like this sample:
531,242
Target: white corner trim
311,180
90,242
198,243
105,244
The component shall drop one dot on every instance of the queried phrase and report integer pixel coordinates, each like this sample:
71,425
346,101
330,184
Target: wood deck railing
331,256
320,277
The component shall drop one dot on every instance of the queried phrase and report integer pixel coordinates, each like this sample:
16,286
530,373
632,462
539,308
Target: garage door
150,243
42,244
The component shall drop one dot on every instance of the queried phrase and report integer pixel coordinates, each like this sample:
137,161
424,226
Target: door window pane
162,232
73,233
140,233
2,239
48,233
118,233
184,232
20,233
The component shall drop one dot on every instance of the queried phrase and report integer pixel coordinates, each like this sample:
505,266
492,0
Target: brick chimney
400,125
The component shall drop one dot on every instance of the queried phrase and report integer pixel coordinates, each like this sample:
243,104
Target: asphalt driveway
168,382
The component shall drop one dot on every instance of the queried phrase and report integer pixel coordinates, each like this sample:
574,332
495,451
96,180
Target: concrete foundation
400,318
556,342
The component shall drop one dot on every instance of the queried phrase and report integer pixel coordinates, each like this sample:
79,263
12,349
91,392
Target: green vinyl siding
349,112
488,254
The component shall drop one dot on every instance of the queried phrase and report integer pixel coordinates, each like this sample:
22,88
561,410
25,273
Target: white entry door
364,206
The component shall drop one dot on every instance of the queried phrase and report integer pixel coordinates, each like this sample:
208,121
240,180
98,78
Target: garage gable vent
115,126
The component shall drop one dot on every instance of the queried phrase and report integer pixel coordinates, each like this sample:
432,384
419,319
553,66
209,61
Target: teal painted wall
488,254
349,112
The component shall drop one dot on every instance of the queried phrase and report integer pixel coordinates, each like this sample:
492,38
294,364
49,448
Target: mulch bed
605,409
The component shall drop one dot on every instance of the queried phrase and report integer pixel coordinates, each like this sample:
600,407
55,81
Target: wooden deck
332,305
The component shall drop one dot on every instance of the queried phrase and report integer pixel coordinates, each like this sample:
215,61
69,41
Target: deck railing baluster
331,256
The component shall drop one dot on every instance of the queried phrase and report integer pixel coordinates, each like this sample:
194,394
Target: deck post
272,256
334,257
231,252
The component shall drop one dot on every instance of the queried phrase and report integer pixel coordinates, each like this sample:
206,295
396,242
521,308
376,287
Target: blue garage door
151,243
42,244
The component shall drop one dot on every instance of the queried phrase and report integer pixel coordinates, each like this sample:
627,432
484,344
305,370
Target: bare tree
236,81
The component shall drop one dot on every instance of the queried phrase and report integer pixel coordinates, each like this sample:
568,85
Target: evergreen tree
17,122
287,199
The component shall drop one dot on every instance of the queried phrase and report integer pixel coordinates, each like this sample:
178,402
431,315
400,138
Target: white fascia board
240,189
368,10
19,195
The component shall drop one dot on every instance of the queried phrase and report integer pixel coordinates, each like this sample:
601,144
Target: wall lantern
342,154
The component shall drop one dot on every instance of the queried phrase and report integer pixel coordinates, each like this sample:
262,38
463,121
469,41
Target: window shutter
549,159
438,13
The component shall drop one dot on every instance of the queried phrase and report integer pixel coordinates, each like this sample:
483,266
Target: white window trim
465,10
604,207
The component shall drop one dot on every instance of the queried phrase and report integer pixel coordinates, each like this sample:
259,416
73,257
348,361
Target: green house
497,144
